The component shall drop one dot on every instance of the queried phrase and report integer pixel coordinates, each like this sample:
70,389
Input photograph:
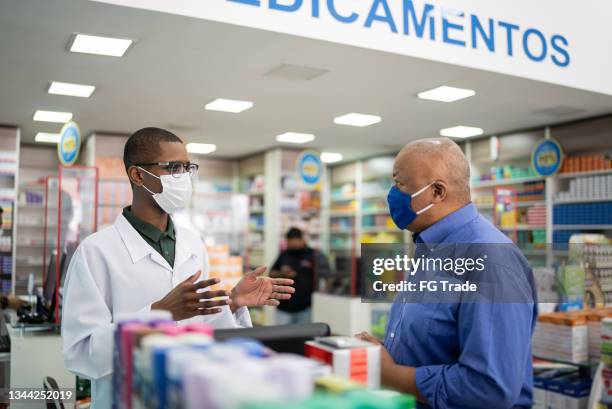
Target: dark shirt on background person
303,264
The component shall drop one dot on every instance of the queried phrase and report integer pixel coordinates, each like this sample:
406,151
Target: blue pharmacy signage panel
69,144
309,167
547,157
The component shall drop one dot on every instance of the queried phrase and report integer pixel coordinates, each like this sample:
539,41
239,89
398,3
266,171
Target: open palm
254,290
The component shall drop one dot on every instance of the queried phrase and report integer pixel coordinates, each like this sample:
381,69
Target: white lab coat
115,271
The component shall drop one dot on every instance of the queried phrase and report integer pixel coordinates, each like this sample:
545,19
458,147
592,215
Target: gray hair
447,162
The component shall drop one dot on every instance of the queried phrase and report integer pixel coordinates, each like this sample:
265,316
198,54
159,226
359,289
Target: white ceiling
179,64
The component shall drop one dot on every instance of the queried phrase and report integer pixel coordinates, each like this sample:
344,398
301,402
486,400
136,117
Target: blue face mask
400,206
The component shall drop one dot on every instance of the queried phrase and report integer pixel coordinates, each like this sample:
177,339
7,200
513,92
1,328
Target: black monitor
280,338
50,285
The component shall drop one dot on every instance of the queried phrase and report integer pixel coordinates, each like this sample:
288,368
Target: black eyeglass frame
188,167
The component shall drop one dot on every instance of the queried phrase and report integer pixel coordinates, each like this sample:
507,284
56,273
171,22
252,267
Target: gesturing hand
254,290
184,301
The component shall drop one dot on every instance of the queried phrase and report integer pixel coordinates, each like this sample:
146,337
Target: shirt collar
440,230
133,241
187,243
147,229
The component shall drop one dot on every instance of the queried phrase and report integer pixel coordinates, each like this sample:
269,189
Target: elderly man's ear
440,189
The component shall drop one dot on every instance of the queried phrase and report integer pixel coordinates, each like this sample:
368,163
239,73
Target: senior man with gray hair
457,354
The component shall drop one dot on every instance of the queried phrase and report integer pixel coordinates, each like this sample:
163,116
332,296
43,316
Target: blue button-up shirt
469,355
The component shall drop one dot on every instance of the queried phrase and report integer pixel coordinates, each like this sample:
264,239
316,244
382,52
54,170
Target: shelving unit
342,222
9,172
105,151
252,183
376,224
37,164
277,200
300,203
508,192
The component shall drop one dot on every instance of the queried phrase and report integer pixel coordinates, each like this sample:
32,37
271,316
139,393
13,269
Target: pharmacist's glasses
176,169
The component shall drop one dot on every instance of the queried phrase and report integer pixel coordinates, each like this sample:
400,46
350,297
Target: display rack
343,222
37,164
9,168
105,152
300,203
583,197
252,183
376,223
508,192
278,200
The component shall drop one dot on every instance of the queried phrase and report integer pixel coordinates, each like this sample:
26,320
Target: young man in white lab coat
144,262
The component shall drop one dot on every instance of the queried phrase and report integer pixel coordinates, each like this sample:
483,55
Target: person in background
304,265
10,302
456,355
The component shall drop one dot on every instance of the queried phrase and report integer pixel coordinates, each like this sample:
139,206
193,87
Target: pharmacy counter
35,355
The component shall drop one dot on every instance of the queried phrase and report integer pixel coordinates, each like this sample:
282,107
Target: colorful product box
349,357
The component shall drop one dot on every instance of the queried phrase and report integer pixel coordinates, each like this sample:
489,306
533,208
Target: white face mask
175,194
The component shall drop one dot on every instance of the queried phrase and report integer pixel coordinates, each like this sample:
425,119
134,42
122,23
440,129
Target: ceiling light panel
446,94
71,90
108,46
461,131
359,120
45,137
201,148
228,105
331,157
295,137
52,116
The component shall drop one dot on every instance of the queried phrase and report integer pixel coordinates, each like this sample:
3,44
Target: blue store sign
547,157
309,167
69,144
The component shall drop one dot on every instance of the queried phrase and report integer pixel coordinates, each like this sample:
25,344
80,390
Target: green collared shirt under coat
164,242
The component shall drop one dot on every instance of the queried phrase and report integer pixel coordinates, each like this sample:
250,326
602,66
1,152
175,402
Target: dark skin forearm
394,376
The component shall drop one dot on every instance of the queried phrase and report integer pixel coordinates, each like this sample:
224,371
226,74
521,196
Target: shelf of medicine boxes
30,233
530,204
113,195
300,207
376,224
8,168
583,200
342,214
253,186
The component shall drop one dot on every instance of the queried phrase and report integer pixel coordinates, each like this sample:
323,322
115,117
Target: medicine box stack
8,163
588,188
583,213
560,389
562,336
606,360
228,269
113,195
586,163
158,364
532,191
6,270
349,358
536,216
594,324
